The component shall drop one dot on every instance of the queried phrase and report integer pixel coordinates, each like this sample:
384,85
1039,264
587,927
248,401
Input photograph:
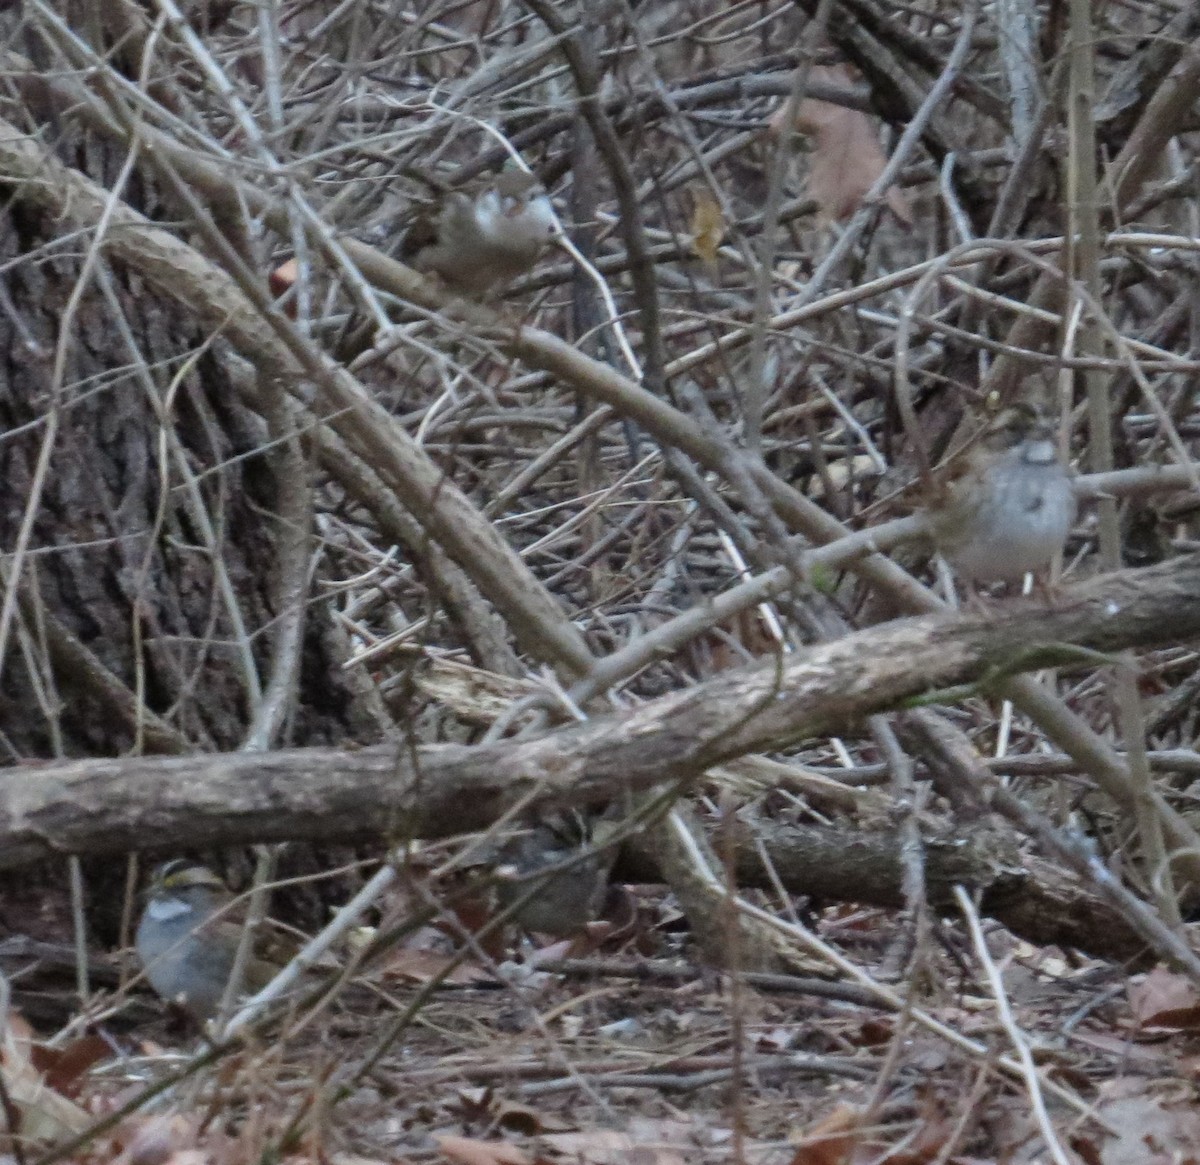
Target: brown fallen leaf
832,1140
63,1068
708,224
1087,1148
526,1121
846,157
45,1115
416,966
469,1151
282,280
1164,999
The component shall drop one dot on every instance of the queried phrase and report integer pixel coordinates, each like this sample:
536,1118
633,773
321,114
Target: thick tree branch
1028,894
439,790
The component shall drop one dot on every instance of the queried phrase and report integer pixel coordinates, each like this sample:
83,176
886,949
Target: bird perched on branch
482,239
188,936
1009,508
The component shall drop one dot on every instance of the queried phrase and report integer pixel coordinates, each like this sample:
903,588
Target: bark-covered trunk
156,531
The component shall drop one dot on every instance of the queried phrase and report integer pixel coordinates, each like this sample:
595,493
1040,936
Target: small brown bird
188,936
1011,507
480,241
565,900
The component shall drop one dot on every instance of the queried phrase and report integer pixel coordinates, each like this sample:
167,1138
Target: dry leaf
46,1116
1151,1130
284,277
708,224
63,1068
417,966
158,1140
1087,1149
609,1147
1143,1057
469,1151
354,1159
846,157
644,1141
1164,999
831,1140
526,1121
470,692
924,1144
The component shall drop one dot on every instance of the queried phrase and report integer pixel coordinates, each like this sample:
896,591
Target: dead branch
113,806
1030,896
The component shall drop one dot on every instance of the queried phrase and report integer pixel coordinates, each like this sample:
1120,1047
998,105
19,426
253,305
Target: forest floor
634,1054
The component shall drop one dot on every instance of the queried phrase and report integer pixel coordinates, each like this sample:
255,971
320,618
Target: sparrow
188,936
479,242
571,893
1011,507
